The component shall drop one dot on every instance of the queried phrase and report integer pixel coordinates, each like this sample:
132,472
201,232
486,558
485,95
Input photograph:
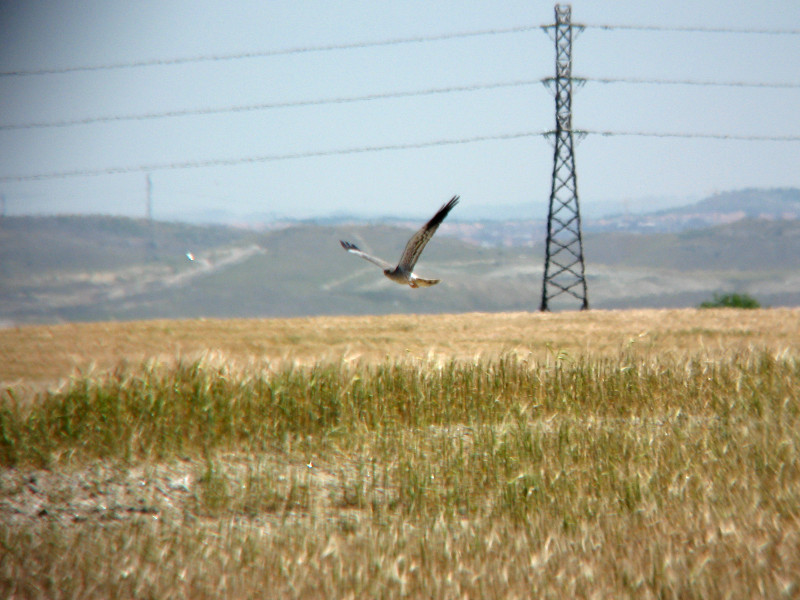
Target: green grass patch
156,411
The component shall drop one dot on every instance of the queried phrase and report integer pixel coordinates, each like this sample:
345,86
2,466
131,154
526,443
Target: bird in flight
403,273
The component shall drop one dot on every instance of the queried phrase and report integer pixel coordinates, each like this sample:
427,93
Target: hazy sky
58,35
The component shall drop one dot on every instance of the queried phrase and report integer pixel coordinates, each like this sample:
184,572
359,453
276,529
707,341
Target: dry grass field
606,454
47,354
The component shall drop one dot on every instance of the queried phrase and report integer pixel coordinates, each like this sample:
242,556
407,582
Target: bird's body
403,272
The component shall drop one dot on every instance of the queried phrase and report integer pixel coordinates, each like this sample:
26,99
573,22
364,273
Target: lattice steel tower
563,262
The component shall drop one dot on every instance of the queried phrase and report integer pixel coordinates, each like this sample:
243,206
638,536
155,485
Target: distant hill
526,224
719,209
776,203
523,223
746,245
40,245
104,268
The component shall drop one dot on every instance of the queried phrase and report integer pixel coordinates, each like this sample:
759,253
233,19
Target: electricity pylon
563,262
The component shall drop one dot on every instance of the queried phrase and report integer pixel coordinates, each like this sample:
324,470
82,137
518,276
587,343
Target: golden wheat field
602,454
49,353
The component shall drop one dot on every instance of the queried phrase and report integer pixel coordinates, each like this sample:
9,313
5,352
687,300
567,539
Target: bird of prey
403,273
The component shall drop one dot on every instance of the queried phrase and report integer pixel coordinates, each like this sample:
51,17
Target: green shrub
731,301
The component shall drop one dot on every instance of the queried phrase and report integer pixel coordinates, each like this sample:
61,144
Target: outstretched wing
417,243
352,248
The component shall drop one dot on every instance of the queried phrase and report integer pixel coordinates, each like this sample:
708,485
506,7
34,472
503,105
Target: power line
159,62
380,96
373,44
229,162
684,29
269,105
708,83
707,136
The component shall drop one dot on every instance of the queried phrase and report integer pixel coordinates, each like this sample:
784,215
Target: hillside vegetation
36,246
748,245
600,454
101,268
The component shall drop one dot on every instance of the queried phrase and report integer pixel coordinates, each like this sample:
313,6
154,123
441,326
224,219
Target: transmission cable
227,162
690,29
707,136
160,62
694,82
269,105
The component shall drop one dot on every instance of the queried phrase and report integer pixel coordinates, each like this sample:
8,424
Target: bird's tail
420,282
